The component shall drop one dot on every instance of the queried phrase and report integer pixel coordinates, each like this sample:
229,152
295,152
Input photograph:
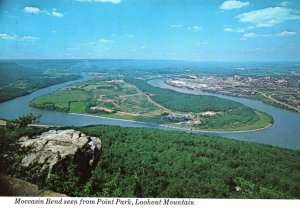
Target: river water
284,133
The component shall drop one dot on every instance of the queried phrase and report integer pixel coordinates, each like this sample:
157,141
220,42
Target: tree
23,121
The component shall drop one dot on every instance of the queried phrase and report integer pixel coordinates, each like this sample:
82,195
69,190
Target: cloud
36,10
28,38
56,13
252,35
175,26
6,36
237,30
232,4
102,1
256,35
31,10
284,3
195,28
286,34
270,16
130,36
106,41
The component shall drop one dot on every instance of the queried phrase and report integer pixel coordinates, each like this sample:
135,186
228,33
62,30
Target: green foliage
235,116
154,163
268,101
16,80
118,99
140,162
62,100
100,92
11,72
11,154
64,178
237,119
23,121
185,102
67,176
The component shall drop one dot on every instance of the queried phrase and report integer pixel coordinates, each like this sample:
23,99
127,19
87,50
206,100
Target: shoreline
173,127
218,131
110,118
283,106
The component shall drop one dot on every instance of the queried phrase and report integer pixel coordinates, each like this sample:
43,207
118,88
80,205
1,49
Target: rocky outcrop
51,148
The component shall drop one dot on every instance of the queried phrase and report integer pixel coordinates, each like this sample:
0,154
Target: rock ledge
50,148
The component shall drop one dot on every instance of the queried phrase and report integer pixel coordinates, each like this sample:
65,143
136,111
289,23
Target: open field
61,101
256,122
105,97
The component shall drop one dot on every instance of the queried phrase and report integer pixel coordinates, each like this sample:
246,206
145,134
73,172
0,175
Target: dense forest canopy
140,162
185,102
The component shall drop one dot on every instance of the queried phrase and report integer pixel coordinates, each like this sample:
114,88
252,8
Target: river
284,133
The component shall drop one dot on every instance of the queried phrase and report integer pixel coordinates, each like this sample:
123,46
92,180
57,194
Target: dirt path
153,102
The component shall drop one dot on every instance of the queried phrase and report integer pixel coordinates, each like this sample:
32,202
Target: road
279,102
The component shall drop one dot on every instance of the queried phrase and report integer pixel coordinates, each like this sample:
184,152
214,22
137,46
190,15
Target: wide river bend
284,133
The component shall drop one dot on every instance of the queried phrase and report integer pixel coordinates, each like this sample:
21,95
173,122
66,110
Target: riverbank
173,127
110,118
219,132
272,101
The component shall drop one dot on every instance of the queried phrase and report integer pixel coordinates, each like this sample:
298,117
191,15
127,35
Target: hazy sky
204,30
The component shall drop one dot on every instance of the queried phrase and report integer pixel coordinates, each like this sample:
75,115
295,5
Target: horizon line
128,59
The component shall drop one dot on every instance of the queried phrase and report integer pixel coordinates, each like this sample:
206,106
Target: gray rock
50,148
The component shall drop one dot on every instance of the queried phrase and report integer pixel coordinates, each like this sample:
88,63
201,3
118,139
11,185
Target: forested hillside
17,80
140,162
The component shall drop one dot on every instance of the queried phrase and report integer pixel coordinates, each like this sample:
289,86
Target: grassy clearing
77,107
104,97
59,101
261,120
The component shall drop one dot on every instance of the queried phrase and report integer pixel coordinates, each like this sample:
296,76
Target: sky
198,30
